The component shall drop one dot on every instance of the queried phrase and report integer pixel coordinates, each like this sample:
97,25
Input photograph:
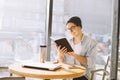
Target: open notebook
38,65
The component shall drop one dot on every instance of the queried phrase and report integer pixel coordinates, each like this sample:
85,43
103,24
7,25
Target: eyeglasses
71,28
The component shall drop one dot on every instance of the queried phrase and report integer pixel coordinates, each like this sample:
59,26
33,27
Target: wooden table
61,73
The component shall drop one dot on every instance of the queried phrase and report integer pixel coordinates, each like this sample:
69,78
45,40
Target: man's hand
61,52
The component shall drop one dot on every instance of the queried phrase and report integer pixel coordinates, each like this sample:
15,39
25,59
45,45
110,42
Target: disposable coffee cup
43,53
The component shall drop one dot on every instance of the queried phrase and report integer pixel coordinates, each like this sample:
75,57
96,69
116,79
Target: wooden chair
5,68
104,70
11,78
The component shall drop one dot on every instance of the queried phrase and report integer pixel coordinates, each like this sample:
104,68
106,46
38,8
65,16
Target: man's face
73,29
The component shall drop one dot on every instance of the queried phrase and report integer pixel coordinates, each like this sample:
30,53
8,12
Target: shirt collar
83,37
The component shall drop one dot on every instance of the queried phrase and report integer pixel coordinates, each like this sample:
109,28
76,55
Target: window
95,15
22,25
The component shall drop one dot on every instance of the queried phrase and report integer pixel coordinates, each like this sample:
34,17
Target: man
84,47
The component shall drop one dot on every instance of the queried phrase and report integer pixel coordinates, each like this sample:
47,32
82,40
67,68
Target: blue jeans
80,78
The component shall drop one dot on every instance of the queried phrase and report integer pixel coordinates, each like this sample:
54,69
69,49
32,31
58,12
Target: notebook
44,66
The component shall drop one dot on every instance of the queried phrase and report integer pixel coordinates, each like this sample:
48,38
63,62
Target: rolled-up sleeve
91,54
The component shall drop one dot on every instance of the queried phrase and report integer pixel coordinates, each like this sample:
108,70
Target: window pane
96,16
22,25
23,15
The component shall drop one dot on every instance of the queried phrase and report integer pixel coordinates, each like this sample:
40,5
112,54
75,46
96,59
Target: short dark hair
76,20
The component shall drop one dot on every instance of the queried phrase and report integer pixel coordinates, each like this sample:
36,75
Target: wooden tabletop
61,73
